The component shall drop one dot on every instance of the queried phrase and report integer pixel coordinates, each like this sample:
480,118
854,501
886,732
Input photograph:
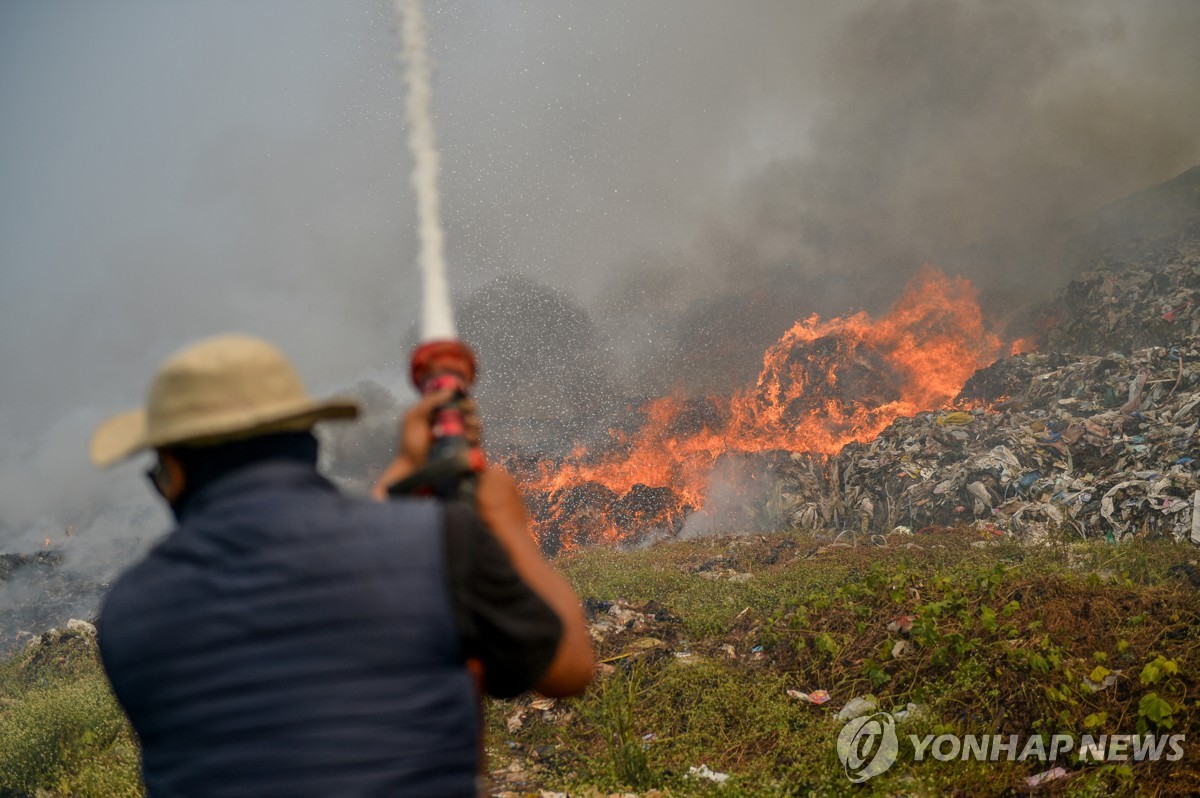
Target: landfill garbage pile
1120,308
1104,445
1135,280
1096,433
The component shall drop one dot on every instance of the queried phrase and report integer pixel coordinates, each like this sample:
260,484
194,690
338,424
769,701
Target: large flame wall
824,384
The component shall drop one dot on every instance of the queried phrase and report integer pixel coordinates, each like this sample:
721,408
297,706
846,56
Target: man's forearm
501,509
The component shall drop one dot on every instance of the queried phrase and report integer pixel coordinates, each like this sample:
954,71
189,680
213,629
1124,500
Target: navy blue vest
287,640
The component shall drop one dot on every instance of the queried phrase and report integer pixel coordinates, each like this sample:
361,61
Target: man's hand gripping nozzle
454,463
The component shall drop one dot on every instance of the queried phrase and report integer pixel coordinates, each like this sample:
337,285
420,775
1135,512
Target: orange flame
823,385
1023,346
915,357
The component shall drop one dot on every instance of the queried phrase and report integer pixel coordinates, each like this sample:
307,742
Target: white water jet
438,317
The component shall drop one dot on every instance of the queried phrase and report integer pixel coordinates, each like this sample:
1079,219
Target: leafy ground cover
702,641
61,730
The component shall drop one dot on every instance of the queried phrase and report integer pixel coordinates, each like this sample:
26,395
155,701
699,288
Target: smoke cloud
973,135
677,182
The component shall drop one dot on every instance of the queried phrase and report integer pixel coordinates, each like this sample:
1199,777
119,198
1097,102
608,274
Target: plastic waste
815,697
705,772
859,705
1047,775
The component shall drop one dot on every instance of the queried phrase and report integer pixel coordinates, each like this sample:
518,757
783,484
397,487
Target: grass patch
62,732
702,640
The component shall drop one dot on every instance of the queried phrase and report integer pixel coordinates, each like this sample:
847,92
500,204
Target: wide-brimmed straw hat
217,390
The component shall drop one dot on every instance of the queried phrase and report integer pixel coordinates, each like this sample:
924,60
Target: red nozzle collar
438,357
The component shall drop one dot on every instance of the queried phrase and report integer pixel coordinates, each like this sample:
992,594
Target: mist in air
635,196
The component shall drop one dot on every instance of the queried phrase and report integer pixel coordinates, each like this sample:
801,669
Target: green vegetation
973,636
701,641
61,731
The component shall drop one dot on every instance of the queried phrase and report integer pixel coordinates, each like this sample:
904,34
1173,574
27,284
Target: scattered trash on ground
860,705
815,697
704,772
1047,775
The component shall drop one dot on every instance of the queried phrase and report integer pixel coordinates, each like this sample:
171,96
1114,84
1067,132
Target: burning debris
1104,445
825,384
1102,441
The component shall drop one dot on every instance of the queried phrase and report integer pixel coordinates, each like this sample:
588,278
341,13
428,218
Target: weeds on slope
969,636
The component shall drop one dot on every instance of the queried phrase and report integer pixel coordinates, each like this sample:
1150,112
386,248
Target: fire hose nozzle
454,464
440,358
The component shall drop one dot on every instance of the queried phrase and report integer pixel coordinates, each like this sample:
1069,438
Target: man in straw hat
285,639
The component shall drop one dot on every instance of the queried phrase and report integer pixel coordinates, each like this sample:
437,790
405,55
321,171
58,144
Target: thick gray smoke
688,177
972,135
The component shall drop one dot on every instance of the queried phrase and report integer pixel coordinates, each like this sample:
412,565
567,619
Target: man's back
287,640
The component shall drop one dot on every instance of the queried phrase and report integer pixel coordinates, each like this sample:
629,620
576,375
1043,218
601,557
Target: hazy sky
172,169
